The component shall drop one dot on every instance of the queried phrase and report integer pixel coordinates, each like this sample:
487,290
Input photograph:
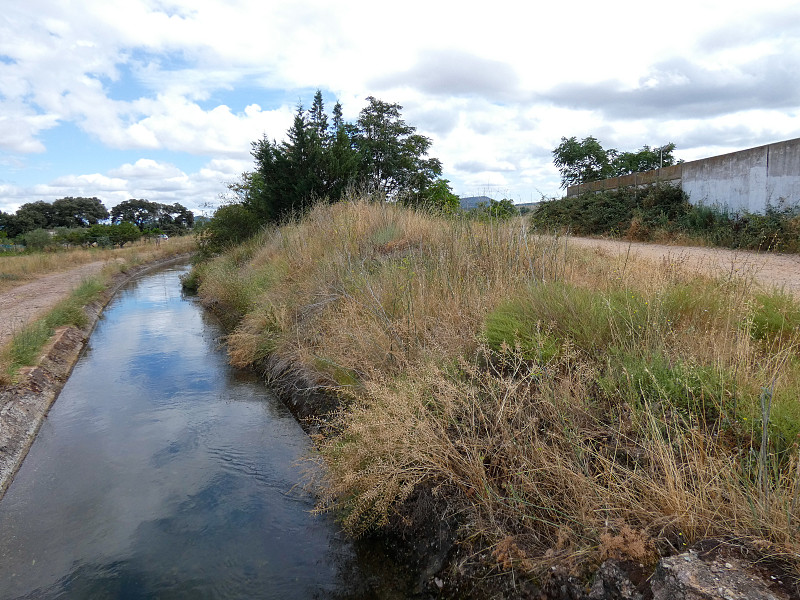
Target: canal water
161,472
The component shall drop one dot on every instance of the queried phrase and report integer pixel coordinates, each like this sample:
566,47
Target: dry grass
569,406
18,269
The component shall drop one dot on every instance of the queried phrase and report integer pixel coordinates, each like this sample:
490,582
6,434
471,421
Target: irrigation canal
161,472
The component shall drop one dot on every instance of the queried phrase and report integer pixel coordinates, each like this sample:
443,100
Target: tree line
321,158
586,160
80,220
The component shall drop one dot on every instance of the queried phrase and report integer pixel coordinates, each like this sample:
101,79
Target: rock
612,583
687,577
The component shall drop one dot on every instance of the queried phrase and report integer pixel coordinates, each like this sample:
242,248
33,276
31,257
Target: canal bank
163,472
24,405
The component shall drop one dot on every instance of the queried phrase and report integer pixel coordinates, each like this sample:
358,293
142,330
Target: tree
173,219
392,155
320,159
37,239
9,225
585,161
117,234
230,225
317,117
581,162
645,159
439,196
123,233
35,215
338,118
495,209
141,213
78,212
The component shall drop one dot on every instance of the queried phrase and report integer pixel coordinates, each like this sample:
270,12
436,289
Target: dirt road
23,304
771,270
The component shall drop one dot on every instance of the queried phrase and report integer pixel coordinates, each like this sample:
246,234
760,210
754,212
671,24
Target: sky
161,99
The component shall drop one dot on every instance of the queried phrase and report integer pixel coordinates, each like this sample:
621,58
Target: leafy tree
175,219
142,213
117,234
65,212
645,159
122,233
581,162
9,225
321,158
37,239
392,155
75,236
585,161
78,212
495,209
230,225
439,196
35,215
172,218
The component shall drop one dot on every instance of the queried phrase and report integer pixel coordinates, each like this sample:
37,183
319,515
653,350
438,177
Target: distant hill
473,201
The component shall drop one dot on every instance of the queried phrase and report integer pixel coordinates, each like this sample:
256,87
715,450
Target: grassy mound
565,408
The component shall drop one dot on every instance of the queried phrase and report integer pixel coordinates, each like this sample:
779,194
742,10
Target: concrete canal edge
25,404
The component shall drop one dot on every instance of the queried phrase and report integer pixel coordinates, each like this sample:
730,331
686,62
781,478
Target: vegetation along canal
162,472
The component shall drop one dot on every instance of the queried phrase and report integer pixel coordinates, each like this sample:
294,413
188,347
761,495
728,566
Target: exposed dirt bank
24,405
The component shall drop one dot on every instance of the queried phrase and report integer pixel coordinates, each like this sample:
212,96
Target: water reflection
161,472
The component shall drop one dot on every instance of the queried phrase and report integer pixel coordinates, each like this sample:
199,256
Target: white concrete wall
749,180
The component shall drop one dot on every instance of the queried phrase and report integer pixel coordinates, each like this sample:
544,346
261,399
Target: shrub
38,239
231,224
642,214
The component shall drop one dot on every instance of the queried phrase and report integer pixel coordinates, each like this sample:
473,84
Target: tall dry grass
568,405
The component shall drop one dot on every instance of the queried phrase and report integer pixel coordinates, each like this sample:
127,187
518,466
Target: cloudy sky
160,99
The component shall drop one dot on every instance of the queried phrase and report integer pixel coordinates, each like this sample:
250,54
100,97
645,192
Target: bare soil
23,304
780,271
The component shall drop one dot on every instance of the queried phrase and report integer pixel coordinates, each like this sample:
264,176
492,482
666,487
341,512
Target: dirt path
771,270
23,304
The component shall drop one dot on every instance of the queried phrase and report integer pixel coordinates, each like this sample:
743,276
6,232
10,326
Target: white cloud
495,88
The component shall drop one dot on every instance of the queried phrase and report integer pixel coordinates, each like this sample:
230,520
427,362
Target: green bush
696,391
664,210
231,224
38,239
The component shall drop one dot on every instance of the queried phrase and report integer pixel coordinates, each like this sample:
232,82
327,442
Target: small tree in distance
586,160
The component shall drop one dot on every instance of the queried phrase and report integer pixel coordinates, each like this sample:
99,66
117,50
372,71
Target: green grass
775,315
26,346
